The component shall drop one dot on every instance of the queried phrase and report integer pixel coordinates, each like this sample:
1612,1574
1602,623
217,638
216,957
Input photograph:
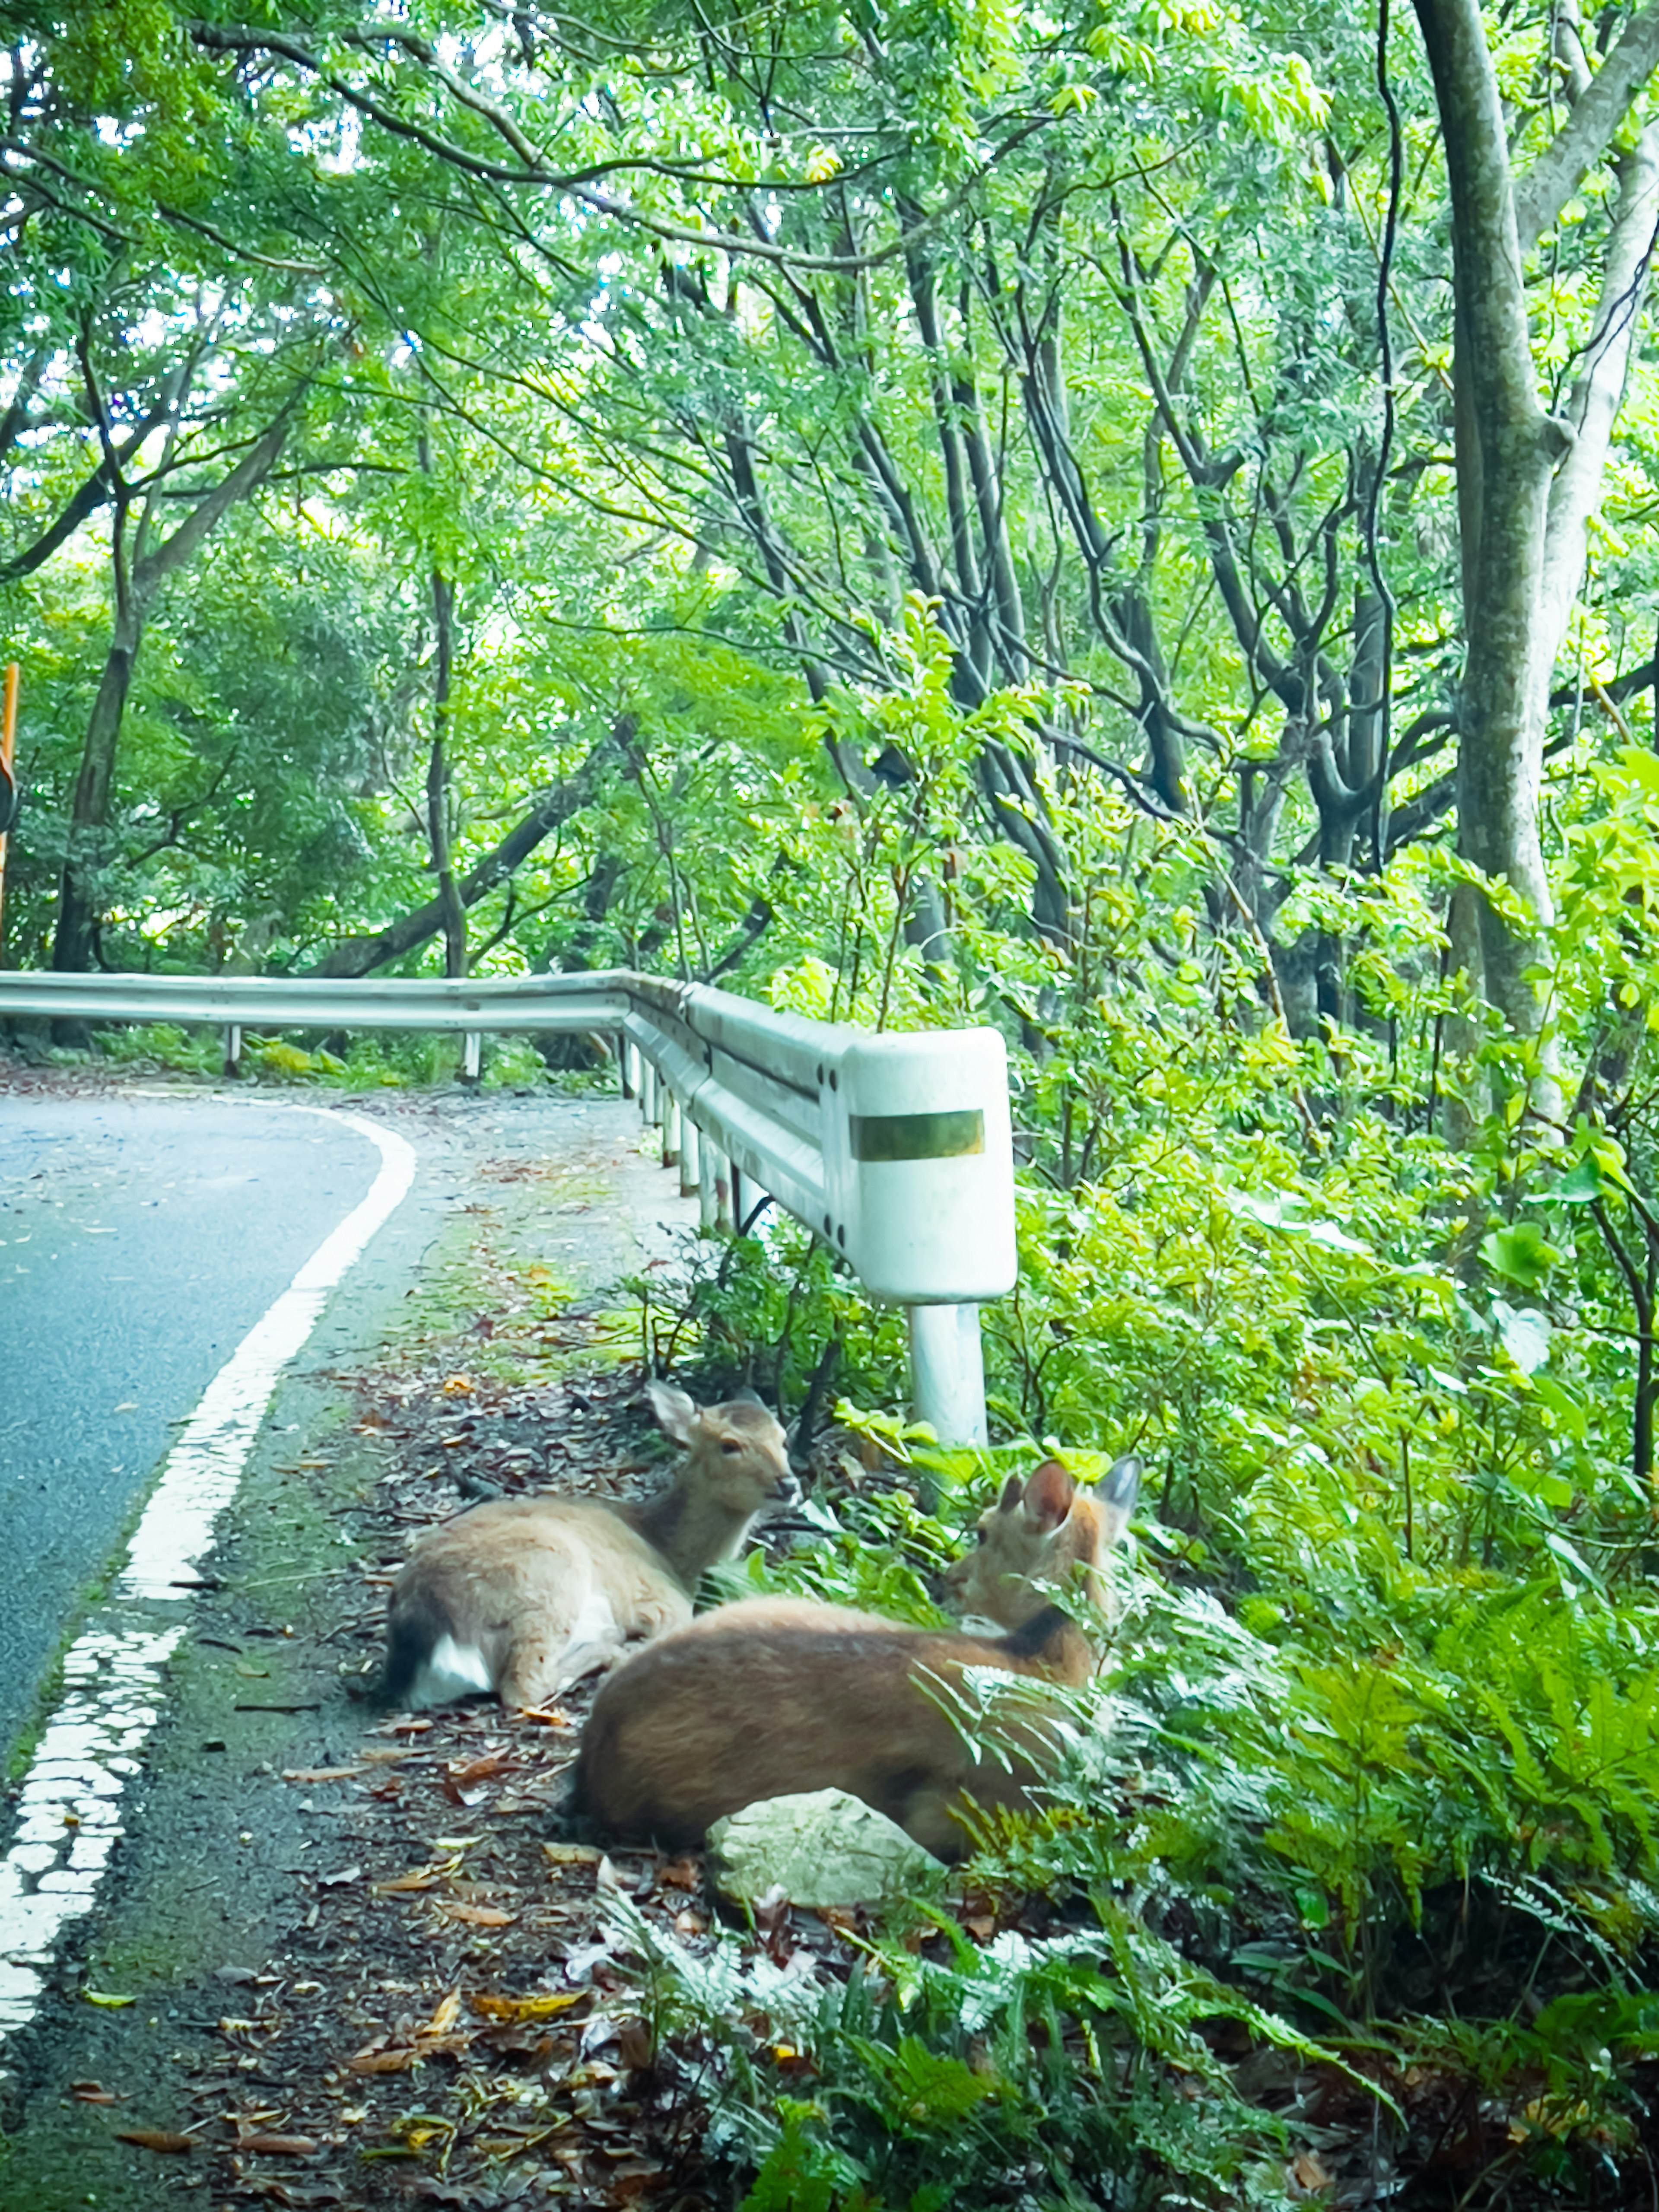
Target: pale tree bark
1527,480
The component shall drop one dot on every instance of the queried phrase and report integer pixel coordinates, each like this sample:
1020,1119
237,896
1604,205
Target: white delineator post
923,1201
947,1372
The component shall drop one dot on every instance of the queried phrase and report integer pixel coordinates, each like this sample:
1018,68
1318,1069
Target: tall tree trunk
79,905
438,782
1523,526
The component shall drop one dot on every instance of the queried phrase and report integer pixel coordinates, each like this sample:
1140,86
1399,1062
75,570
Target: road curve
140,1240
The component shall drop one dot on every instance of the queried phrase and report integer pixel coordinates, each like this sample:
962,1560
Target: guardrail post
671,1128
947,1372
647,1092
472,1056
715,1187
233,1048
690,1156
625,1065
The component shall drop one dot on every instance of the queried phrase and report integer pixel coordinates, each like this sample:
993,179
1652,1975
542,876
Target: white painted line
203,1467
69,1818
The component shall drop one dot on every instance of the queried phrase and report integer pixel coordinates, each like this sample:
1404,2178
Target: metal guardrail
897,1150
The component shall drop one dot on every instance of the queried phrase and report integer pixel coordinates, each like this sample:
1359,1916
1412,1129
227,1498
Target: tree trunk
437,783
79,905
1522,524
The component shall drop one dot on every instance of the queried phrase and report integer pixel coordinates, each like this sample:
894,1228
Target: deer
523,1596
776,1695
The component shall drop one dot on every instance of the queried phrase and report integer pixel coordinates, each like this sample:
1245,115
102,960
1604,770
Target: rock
820,1847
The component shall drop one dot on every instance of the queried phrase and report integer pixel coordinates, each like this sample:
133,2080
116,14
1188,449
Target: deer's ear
1116,1497
1048,1495
1013,1493
676,1413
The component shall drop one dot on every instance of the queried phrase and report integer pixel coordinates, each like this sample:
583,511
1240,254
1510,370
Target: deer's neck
1051,1643
691,1534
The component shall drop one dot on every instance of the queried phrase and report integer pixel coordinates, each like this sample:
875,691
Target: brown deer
525,1595
776,1695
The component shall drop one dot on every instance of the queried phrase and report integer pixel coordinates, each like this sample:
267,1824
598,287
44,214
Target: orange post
8,746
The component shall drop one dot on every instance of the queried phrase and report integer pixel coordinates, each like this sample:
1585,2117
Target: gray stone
819,1847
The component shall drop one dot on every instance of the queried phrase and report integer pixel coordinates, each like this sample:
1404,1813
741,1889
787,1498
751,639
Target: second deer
778,1695
525,1595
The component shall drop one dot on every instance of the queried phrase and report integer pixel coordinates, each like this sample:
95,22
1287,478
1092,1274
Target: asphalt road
140,1239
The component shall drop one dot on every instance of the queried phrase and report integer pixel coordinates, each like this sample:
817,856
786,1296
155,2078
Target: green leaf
1521,1254
1580,1186
1525,1335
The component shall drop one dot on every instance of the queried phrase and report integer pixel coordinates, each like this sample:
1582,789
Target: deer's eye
979,1536
731,1450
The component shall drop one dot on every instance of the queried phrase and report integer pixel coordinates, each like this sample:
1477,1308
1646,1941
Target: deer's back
774,1701
558,1557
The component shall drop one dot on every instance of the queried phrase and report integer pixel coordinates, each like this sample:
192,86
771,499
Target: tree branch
1561,167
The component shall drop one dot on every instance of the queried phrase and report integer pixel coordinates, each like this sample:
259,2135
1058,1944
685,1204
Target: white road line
70,1814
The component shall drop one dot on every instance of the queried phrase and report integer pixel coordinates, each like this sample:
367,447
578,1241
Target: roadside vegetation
1085,520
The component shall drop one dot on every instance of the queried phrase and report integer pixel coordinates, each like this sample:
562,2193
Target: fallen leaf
561,1854
155,2139
478,1916
106,1998
401,1884
381,2062
338,1880
541,2006
284,2192
93,2093
322,1773
446,2015
278,2146
485,1769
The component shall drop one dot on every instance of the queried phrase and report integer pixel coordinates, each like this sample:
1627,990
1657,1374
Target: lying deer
525,1595
776,1695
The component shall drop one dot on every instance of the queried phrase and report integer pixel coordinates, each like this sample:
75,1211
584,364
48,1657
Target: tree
1528,475
196,438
